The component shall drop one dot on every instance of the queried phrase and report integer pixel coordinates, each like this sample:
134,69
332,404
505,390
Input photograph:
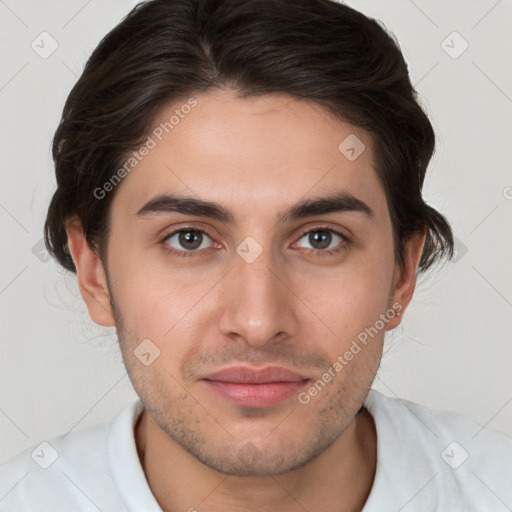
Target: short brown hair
319,50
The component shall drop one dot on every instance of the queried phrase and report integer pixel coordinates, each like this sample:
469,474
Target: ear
90,274
404,279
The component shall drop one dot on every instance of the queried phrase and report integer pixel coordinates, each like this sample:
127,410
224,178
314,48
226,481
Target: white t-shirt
426,461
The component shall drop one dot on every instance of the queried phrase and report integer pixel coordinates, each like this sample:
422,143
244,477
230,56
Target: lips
253,387
246,375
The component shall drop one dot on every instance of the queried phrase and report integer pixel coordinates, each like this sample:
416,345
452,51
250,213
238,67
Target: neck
339,479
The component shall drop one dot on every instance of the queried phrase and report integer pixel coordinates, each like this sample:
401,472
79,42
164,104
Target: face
250,283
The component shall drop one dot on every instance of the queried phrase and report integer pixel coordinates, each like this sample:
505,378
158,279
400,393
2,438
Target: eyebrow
336,203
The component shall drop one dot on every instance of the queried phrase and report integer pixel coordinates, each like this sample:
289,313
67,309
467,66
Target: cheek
351,297
169,306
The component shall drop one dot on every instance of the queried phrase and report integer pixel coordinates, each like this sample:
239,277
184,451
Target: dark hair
319,50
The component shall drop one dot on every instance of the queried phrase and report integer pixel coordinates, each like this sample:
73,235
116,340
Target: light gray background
60,372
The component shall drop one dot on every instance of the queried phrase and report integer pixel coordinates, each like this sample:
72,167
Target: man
239,193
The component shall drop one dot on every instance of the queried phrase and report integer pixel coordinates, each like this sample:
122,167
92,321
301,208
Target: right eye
185,241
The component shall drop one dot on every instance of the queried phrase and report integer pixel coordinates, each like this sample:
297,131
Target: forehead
267,150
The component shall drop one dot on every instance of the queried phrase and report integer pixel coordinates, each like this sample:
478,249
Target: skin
294,306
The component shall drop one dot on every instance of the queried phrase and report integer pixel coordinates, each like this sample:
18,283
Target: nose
259,305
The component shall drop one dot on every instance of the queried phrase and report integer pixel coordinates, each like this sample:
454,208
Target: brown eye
187,240
322,239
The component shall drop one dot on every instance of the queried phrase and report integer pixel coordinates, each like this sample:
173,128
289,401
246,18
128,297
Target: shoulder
447,456
71,471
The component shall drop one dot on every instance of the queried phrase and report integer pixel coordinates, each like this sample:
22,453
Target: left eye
321,239
188,239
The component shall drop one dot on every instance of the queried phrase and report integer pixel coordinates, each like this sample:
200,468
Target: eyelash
319,252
